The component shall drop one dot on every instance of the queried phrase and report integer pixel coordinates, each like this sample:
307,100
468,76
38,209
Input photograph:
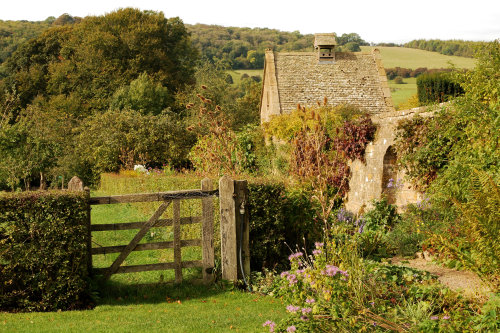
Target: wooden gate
206,194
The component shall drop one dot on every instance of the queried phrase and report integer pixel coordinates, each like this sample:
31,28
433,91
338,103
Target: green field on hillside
413,58
237,73
402,92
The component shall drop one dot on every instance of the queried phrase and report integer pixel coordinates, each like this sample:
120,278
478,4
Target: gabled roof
354,78
324,40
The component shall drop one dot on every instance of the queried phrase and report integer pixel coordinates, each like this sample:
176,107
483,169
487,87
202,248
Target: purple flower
295,255
345,216
306,310
372,304
304,318
331,270
434,318
317,252
310,300
291,329
283,274
446,317
271,325
292,279
292,308
318,245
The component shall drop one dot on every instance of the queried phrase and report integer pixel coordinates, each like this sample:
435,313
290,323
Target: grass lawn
181,308
402,92
414,58
135,302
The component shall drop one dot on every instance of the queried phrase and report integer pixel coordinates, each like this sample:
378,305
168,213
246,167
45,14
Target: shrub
279,216
398,80
43,251
437,88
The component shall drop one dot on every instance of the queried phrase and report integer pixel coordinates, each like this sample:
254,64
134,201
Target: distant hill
413,58
244,48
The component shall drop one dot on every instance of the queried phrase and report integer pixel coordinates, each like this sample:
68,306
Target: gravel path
466,282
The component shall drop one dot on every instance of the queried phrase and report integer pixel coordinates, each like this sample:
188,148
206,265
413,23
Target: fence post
228,229
207,234
243,220
177,241
89,232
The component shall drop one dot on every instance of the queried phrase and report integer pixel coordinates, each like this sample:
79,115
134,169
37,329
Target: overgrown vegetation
453,156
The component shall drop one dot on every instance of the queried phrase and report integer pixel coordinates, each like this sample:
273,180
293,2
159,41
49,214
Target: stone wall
370,180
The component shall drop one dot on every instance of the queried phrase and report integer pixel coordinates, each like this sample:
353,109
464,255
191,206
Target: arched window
390,183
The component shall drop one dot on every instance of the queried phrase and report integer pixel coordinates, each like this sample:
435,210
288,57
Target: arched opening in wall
389,175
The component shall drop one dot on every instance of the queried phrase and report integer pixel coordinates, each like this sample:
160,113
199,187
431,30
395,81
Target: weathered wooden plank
118,261
138,225
242,226
147,197
228,229
150,267
177,241
145,247
89,231
207,234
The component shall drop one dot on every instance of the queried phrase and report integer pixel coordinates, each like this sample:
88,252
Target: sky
396,21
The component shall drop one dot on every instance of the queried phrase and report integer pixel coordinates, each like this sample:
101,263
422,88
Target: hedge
279,216
43,251
437,88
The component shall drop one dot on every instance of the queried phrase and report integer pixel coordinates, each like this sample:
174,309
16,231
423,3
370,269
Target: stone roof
324,39
354,78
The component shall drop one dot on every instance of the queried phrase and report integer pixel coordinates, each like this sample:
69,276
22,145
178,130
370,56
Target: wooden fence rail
206,194
234,230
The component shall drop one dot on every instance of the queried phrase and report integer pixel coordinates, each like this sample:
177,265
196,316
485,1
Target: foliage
94,58
476,246
28,149
217,151
437,88
448,47
279,218
119,139
412,234
452,156
333,289
240,102
14,33
483,83
143,94
392,73
398,80
43,246
383,216
285,127
244,48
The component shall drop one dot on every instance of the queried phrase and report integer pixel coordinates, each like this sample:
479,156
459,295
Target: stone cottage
357,79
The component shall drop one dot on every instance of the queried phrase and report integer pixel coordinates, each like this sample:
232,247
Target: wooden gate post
207,234
89,232
229,256
243,218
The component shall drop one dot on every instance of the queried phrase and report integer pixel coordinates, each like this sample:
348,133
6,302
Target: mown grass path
183,308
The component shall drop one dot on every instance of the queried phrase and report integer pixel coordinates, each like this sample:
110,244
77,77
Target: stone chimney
325,44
